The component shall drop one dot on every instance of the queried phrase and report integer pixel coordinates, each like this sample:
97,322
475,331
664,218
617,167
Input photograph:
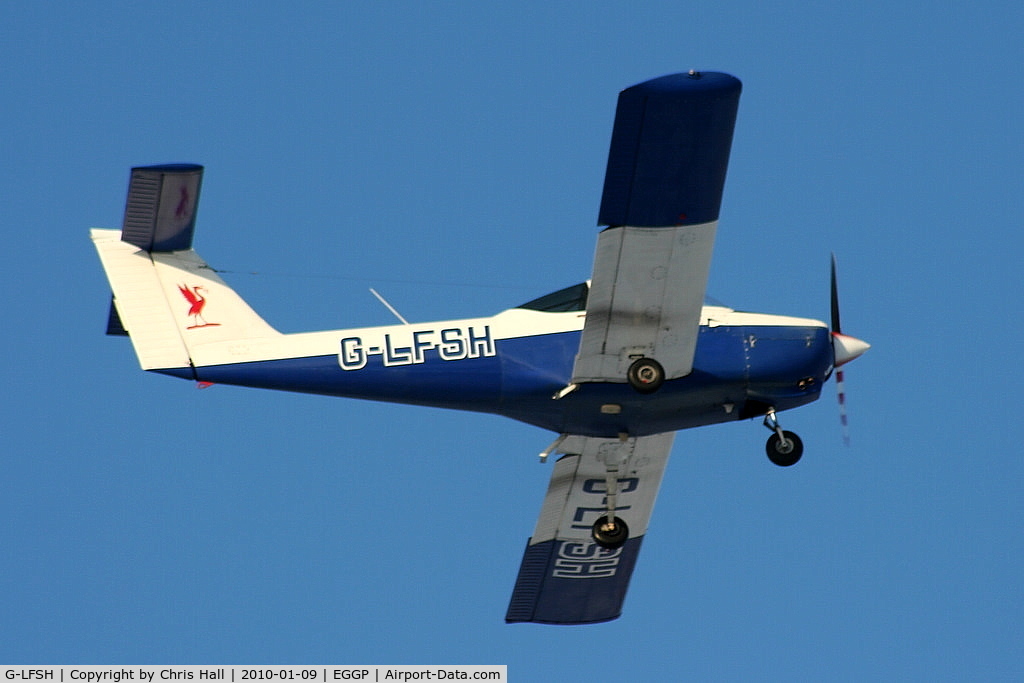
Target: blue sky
451,156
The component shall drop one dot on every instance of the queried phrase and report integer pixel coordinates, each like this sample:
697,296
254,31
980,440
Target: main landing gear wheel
784,451
612,534
646,375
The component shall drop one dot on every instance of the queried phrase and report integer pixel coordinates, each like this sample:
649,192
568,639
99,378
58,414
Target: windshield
575,299
569,299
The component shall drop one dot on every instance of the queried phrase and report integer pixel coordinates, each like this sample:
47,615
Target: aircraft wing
565,576
662,192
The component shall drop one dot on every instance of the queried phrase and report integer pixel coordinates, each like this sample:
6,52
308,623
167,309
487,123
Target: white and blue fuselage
519,362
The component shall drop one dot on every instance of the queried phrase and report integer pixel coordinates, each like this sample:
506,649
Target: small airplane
613,366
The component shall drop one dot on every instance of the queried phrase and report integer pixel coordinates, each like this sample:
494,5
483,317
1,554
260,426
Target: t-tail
170,303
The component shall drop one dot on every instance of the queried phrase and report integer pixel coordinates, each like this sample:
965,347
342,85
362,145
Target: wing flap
565,577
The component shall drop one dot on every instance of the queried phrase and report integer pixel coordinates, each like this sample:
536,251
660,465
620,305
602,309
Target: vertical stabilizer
166,298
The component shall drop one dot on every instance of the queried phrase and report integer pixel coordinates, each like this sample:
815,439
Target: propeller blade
835,299
844,349
841,394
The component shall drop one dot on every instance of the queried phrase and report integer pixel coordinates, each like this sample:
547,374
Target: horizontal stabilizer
669,151
160,214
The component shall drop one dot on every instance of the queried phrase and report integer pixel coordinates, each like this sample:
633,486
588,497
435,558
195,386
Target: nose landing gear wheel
784,452
610,535
646,375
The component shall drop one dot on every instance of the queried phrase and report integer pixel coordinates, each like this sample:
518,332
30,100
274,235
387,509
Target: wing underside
645,300
663,189
565,576
662,192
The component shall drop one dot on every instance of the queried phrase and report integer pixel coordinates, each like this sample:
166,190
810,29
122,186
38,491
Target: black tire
646,375
784,454
613,538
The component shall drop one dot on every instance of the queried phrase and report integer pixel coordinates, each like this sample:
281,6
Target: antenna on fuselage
389,306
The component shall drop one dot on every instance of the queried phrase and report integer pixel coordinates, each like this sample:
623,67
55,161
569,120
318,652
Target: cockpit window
569,299
575,299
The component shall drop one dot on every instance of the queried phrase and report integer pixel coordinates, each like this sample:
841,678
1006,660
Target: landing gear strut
610,531
783,448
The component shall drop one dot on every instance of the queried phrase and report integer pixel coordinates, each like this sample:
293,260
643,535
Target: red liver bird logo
197,300
182,210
